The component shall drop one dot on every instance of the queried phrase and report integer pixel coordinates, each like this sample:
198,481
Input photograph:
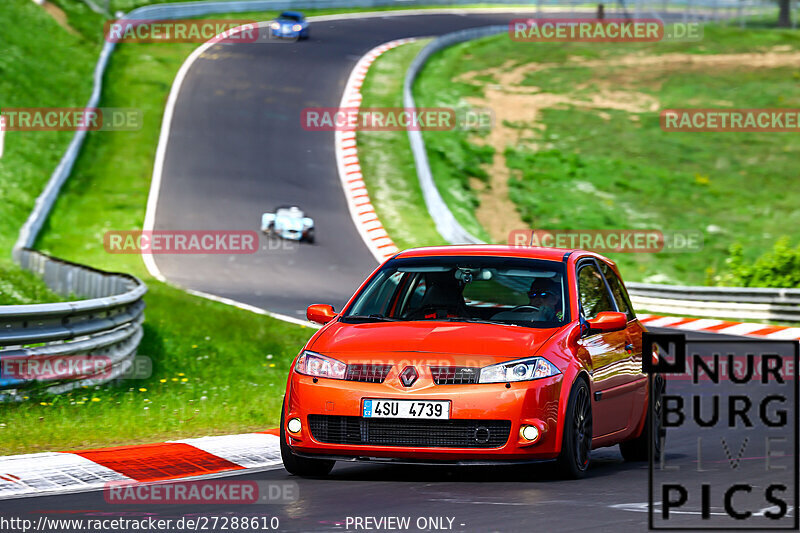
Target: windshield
290,17
523,292
289,213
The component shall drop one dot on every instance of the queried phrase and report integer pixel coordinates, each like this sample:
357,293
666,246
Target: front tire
301,466
638,449
577,439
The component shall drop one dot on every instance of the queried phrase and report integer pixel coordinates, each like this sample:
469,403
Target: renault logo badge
408,376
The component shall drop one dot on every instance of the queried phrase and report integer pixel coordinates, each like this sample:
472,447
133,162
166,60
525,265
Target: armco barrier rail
713,302
446,224
751,303
108,325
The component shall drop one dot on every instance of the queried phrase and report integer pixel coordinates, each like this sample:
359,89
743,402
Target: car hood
350,342
290,224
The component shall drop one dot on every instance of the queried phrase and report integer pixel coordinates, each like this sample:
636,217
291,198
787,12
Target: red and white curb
79,471
744,329
361,209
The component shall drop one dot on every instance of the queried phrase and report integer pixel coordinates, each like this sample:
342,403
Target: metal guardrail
107,326
446,223
713,302
750,303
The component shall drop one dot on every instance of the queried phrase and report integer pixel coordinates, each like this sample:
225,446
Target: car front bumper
477,411
280,34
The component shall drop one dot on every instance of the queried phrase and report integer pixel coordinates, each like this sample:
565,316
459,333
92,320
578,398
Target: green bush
778,268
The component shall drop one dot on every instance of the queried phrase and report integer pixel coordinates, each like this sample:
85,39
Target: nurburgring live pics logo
729,451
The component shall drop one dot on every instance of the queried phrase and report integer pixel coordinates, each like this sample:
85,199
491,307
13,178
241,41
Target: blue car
288,222
289,25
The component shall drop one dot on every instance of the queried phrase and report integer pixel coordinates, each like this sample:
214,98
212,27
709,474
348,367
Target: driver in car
544,297
544,294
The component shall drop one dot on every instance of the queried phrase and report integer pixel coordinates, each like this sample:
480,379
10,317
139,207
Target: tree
785,13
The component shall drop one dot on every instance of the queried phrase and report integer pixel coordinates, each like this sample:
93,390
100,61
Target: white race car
288,222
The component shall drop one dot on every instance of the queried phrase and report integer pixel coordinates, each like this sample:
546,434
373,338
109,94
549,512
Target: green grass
385,156
590,170
223,371
20,287
455,159
32,74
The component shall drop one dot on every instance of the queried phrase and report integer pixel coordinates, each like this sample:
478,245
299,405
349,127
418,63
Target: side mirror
608,321
320,313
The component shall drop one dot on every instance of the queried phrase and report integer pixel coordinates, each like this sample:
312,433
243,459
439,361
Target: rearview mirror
608,321
320,313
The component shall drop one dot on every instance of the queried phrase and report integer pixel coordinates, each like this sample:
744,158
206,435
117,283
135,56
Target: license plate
436,409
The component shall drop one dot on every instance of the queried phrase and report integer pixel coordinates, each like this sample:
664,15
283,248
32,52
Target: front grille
454,375
367,373
402,432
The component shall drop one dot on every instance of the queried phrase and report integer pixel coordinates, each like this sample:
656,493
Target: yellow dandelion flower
181,374
174,379
42,403
185,379
142,389
95,399
162,380
272,365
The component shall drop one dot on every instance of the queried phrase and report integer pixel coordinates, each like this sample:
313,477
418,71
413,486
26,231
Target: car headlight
519,370
297,27
275,26
318,365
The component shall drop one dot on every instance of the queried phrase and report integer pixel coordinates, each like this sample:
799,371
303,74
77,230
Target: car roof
291,14
530,252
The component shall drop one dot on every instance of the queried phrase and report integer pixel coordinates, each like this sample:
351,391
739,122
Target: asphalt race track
237,149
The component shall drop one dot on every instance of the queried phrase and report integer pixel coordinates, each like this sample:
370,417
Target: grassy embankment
577,143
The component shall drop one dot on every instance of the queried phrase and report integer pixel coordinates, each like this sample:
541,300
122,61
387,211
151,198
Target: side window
593,292
618,290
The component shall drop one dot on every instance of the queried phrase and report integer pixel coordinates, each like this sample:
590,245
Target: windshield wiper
480,321
370,318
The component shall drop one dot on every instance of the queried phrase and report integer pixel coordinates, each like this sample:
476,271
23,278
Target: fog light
529,432
294,425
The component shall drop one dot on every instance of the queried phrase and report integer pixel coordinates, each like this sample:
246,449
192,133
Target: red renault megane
473,354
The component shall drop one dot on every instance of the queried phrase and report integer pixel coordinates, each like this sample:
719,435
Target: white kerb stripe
664,321
697,325
249,450
42,473
788,333
741,329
